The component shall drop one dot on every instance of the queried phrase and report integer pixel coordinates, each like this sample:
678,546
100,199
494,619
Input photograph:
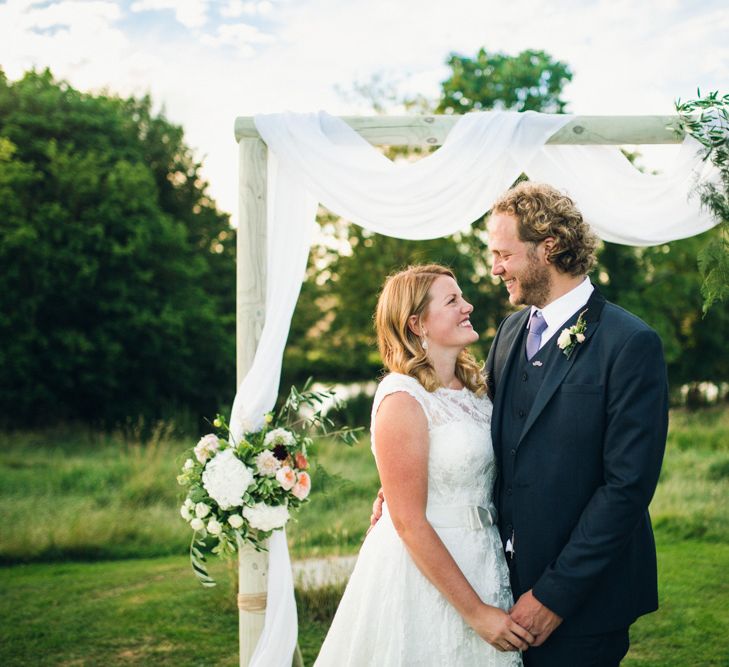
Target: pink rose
206,447
286,477
303,485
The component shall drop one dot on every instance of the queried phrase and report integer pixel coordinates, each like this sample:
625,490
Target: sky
204,62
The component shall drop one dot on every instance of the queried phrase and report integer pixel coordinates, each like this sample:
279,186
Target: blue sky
208,61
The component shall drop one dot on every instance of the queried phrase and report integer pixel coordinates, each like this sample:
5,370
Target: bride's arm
401,444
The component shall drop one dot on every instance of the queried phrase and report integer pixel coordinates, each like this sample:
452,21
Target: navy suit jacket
586,467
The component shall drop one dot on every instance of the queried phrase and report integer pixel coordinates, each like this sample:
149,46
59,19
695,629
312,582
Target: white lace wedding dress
390,614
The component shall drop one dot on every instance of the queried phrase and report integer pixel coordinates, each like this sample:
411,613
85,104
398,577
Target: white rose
189,465
236,521
197,524
564,339
206,447
226,479
201,510
214,528
266,517
267,463
279,436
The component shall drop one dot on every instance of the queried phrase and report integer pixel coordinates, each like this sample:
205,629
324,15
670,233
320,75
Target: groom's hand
532,615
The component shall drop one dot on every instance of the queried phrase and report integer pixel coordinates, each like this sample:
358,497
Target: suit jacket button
521,413
513,452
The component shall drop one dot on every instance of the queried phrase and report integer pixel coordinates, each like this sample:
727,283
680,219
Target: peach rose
286,477
303,485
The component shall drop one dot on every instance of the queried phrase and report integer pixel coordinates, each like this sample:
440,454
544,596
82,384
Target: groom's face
519,264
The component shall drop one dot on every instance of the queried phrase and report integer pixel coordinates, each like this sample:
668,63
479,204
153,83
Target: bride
431,586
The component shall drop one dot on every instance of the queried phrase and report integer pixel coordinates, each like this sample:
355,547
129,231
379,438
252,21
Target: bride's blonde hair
404,294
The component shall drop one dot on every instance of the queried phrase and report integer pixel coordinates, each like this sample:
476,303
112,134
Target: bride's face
447,323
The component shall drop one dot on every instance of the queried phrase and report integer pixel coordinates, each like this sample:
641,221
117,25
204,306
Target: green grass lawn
95,569
153,612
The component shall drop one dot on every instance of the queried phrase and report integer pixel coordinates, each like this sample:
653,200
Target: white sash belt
464,516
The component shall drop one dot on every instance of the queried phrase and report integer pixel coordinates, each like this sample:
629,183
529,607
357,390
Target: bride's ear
414,325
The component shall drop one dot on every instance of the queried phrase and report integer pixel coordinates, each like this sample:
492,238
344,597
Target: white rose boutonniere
569,338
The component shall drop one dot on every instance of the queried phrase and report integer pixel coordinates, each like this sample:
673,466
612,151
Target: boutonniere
569,338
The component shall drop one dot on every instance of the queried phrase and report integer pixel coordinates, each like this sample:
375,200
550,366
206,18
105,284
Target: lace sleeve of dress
391,384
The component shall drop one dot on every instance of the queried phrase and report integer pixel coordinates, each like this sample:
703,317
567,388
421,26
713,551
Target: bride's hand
498,629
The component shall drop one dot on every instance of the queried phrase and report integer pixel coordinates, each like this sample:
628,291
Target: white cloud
241,36
67,35
190,13
238,8
627,57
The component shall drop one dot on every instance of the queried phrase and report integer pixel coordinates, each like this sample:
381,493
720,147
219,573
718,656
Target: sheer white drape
317,158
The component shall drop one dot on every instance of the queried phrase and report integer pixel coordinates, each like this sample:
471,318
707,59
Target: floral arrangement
569,338
240,492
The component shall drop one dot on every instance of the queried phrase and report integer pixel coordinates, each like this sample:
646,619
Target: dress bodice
461,465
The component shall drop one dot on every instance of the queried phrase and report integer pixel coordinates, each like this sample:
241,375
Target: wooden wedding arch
411,131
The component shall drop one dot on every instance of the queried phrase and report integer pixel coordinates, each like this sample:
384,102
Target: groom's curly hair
543,211
404,294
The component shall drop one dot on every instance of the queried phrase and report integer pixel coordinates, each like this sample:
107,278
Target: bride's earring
424,341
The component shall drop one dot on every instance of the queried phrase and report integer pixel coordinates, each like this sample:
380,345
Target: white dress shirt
560,310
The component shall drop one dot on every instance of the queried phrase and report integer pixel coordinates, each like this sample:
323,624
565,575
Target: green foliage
707,120
117,289
332,328
662,286
529,81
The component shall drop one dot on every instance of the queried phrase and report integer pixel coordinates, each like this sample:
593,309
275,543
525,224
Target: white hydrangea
267,463
279,436
226,479
266,517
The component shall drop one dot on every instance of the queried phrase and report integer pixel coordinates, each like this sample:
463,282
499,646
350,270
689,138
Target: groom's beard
535,282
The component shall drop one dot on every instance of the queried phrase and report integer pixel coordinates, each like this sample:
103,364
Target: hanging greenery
707,120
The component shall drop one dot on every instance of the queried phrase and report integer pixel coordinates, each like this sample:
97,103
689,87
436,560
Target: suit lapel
561,366
504,360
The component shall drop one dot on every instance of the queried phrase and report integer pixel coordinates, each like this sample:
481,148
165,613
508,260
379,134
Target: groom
579,429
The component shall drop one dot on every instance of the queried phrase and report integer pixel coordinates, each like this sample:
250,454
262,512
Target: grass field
95,571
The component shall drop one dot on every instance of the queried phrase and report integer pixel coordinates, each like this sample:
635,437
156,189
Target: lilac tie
537,325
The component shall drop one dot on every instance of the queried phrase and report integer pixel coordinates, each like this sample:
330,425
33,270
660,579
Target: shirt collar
561,309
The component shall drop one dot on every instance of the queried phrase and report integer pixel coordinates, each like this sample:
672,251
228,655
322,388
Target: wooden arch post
413,131
249,319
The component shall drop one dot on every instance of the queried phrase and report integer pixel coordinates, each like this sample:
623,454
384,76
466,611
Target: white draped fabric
317,158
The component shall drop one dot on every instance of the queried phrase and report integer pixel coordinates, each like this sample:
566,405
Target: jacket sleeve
633,446
491,363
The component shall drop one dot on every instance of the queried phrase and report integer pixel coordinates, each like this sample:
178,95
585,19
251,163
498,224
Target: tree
117,287
332,328
529,81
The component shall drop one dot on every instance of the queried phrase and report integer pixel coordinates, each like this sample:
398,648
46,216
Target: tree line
117,278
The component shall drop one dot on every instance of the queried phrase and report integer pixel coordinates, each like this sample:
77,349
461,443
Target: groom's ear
549,245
